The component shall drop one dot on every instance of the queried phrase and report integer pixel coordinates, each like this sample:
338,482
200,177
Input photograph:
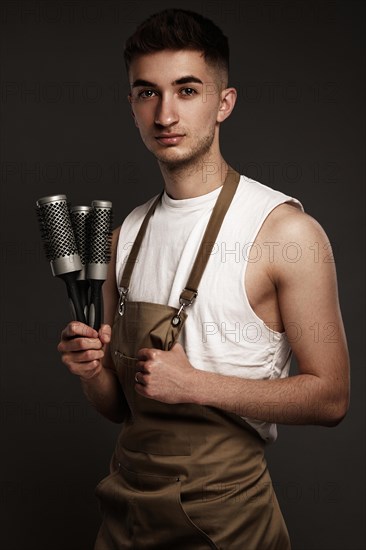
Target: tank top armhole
258,227
283,200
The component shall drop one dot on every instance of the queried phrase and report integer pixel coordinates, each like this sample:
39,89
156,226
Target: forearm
105,394
300,399
86,354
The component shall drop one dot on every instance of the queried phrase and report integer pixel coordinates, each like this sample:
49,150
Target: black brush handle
74,296
96,304
80,220
83,289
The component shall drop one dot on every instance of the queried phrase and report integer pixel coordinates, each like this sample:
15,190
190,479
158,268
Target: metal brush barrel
99,257
100,240
80,219
58,234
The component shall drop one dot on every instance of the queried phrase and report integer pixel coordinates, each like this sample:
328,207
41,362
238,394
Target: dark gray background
66,128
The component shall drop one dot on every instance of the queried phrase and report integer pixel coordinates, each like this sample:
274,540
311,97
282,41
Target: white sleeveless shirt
222,333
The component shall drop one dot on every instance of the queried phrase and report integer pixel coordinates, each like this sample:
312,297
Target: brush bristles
44,235
100,236
80,219
56,230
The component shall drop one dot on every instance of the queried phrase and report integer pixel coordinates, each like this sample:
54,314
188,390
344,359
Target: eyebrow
183,80
187,80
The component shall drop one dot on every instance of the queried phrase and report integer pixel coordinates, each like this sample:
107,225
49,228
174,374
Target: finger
105,333
79,344
78,363
83,357
141,366
139,378
75,328
139,388
146,354
143,354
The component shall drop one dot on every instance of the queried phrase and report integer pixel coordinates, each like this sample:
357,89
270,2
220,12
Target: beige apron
183,477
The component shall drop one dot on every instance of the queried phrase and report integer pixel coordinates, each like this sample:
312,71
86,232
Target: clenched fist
82,348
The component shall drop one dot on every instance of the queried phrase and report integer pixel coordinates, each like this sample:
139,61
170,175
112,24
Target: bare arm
86,353
308,302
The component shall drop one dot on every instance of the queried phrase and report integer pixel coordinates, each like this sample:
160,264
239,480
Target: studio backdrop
66,128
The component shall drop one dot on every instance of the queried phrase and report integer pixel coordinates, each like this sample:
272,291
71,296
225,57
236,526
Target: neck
194,179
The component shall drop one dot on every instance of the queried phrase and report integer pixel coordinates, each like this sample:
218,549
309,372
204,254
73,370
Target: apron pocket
161,437
144,512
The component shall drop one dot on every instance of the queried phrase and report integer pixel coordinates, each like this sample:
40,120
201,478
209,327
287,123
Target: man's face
175,99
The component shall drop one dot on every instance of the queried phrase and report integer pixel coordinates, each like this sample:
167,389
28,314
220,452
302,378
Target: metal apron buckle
184,302
122,300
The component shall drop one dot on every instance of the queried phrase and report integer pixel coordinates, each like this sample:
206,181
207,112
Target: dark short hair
176,29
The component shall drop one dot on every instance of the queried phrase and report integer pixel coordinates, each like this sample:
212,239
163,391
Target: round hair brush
99,255
80,219
60,246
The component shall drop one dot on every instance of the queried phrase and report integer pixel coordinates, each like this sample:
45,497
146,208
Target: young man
199,377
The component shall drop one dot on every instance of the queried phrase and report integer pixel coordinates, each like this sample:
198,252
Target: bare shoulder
287,225
287,221
297,242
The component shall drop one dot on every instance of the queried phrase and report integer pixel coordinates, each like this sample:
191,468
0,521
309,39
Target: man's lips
169,139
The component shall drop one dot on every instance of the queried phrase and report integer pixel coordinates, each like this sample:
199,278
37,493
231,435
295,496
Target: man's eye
145,94
188,91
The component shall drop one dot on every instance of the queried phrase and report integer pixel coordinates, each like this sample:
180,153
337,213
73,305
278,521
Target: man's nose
166,112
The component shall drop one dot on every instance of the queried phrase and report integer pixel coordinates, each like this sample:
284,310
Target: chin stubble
196,153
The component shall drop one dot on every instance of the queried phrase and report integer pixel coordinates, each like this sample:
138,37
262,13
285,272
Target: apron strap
131,260
222,204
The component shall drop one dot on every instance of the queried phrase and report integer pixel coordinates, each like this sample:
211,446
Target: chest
236,274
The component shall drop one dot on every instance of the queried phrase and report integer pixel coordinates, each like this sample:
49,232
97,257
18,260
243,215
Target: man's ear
130,100
227,103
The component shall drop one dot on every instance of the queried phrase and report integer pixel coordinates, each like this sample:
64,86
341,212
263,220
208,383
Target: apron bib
182,476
